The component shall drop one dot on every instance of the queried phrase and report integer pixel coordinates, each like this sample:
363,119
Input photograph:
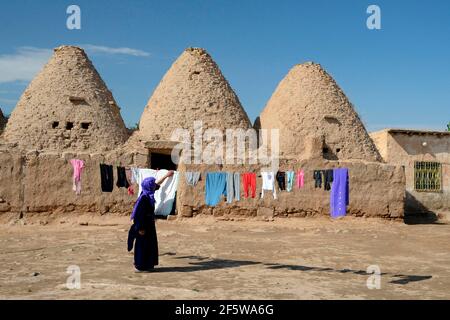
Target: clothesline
227,184
221,183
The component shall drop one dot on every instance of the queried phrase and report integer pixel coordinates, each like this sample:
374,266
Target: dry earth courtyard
210,258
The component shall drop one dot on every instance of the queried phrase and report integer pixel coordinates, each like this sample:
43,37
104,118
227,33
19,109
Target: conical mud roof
67,107
193,89
308,105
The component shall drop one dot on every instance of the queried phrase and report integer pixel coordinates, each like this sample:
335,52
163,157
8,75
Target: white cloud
28,61
22,65
108,50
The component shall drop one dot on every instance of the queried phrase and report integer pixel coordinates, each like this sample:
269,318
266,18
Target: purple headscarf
149,187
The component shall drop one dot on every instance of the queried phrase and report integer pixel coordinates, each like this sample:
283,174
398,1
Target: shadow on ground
404,279
417,213
206,263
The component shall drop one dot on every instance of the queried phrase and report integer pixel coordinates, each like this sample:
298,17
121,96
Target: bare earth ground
204,258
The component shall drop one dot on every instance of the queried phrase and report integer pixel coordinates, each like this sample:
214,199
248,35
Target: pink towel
78,166
300,179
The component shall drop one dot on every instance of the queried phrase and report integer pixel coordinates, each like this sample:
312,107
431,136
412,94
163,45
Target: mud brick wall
403,148
42,183
35,183
376,190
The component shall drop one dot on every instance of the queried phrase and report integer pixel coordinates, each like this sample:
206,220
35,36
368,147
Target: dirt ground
206,258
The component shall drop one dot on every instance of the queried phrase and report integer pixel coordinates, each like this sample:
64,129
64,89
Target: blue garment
340,193
290,180
215,187
131,237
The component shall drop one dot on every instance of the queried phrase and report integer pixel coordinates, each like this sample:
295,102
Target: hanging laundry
249,182
122,181
317,179
268,183
78,166
107,177
300,179
215,187
233,186
192,178
340,193
134,175
290,180
141,174
129,176
237,186
281,179
165,195
327,179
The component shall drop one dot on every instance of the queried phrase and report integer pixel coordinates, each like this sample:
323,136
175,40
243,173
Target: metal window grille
427,176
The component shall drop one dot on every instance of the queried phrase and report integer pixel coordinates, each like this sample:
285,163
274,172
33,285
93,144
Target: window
85,125
55,124
69,125
427,176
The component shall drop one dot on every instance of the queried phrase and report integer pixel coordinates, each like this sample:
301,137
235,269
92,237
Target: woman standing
143,230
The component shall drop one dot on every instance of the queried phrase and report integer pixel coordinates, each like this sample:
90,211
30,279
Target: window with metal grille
427,176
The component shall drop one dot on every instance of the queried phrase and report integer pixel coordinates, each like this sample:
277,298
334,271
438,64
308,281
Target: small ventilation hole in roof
77,99
69,125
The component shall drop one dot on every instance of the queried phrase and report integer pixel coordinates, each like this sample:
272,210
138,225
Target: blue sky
398,76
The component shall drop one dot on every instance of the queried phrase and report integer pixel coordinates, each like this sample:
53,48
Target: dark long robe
146,246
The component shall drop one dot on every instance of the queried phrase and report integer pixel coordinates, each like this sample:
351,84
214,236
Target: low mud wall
376,190
36,183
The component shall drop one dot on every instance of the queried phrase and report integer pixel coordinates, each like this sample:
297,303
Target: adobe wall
41,183
376,190
380,139
404,150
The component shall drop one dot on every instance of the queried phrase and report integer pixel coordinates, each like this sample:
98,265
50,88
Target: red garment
249,182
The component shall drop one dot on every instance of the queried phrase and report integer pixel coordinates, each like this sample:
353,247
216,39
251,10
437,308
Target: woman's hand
170,173
141,232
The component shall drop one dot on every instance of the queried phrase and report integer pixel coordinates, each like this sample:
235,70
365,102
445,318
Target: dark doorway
160,161
328,153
